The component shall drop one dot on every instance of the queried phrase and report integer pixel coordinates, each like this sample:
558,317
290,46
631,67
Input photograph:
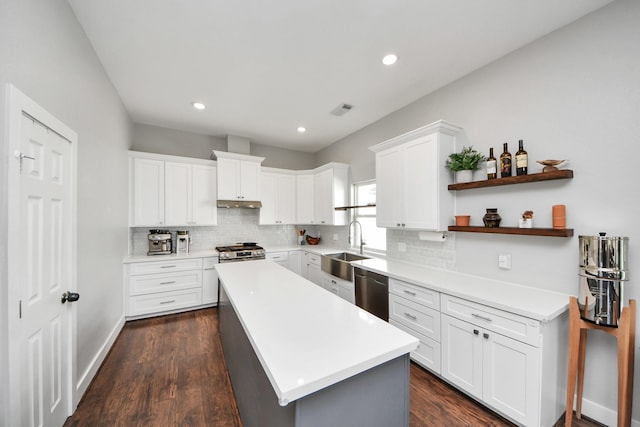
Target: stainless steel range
248,251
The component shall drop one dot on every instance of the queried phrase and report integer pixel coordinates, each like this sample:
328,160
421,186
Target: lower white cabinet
295,262
169,285
209,280
415,310
343,288
281,258
311,268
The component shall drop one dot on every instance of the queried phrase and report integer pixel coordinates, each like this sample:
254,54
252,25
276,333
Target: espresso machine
159,242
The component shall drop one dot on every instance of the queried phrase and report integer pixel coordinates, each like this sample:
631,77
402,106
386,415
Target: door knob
70,296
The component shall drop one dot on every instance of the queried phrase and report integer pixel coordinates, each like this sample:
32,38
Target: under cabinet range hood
242,204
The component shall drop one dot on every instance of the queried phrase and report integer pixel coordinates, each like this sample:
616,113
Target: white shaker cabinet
311,267
147,192
295,262
190,194
278,194
209,280
412,179
171,191
503,372
331,191
305,206
238,176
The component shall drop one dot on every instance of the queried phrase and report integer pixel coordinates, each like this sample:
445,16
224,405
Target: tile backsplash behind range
238,225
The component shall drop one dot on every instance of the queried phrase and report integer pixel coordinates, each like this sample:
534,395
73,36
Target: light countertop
534,303
305,337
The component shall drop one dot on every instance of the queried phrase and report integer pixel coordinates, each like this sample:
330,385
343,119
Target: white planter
464,176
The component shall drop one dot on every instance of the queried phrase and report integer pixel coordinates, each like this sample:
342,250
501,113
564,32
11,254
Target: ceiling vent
341,109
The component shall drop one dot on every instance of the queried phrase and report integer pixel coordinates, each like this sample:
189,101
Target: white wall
574,94
154,139
44,53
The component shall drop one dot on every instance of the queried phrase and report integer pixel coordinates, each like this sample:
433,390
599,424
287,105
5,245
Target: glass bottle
522,160
492,165
505,162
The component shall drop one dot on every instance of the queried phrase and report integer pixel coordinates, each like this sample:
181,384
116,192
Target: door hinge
20,309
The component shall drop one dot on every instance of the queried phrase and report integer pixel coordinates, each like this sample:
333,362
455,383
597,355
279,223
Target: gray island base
377,397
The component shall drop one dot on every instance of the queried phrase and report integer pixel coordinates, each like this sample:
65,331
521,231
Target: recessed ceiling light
389,59
198,105
302,129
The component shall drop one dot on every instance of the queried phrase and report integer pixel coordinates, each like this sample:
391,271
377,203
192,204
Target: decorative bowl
312,240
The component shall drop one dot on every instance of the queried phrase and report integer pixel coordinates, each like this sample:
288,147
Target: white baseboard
602,414
88,375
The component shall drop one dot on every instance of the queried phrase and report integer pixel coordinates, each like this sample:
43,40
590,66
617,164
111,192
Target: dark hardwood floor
170,371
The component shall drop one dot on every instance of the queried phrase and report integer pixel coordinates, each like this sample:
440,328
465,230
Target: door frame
17,103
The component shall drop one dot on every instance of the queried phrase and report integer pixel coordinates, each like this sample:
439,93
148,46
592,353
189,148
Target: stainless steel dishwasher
372,292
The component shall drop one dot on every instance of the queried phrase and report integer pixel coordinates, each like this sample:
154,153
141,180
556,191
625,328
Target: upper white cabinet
238,176
172,191
146,192
305,212
412,179
278,193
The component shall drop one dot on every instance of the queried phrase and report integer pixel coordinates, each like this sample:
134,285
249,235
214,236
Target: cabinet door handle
477,316
397,224
168,266
168,302
411,316
486,335
168,283
413,294
476,332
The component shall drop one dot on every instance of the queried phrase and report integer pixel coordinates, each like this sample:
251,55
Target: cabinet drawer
165,266
415,293
509,324
209,263
164,301
428,352
313,258
278,256
151,283
415,316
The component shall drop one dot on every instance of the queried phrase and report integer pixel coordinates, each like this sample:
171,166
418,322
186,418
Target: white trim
17,103
89,374
602,414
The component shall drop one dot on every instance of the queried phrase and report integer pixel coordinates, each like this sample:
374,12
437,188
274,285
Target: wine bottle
492,165
505,162
522,160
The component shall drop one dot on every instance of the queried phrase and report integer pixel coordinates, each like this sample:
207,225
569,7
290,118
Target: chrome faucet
362,242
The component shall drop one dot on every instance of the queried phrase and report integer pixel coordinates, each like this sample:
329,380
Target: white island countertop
539,304
305,337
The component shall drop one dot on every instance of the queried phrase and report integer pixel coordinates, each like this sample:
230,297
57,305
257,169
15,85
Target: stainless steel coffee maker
159,242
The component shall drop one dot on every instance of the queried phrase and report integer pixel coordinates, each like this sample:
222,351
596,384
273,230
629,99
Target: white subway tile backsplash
240,225
422,252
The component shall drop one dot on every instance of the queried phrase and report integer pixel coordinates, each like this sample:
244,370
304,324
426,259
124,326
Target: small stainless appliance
183,240
248,251
603,271
372,292
159,242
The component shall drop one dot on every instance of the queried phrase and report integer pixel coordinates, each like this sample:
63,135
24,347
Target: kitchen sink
338,264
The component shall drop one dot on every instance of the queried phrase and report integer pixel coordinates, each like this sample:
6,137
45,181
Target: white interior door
41,268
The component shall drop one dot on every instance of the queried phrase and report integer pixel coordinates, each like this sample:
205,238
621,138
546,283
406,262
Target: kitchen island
298,355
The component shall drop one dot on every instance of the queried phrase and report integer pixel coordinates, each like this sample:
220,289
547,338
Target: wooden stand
625,333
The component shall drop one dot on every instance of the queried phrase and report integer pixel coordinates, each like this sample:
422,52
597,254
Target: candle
559,216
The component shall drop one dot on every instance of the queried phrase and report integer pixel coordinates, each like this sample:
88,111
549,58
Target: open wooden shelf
535,177
550,232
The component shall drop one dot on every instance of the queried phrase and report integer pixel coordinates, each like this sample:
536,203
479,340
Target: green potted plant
464,163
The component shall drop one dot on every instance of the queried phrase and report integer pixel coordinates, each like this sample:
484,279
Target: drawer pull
208,269
168,283
413,294
168,266
477,316
168,302
410,316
